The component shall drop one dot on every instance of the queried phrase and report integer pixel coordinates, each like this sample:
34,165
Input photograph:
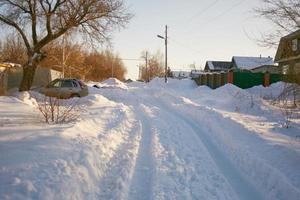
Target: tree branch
17,27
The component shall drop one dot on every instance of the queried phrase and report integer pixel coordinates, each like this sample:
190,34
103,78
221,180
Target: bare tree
155,67
101,65
13,50
284,14
40,22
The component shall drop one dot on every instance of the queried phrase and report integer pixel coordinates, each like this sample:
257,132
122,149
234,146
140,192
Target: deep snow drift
152,141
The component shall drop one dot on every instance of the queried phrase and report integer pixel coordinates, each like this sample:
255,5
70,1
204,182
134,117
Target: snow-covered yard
152,141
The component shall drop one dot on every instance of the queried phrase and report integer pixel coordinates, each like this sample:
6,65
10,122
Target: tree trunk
28,76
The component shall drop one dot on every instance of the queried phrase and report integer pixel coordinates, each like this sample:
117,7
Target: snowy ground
152,141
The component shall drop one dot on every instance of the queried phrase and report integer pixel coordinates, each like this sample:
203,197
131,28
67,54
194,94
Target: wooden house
288,52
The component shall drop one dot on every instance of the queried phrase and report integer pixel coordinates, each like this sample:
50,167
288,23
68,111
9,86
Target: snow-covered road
152,141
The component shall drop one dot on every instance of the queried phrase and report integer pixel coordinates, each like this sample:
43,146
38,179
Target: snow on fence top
4,66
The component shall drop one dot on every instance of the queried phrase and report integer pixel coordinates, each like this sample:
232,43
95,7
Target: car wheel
75,95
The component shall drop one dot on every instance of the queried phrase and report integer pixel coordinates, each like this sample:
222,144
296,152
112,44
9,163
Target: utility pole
166,51
147,74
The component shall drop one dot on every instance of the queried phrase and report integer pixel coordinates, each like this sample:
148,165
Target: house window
285,69
294,44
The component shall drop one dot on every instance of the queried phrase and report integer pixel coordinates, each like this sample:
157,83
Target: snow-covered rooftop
251,62
219,65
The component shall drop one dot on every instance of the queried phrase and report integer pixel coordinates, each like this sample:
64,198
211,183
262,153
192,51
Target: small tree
54,110
39,22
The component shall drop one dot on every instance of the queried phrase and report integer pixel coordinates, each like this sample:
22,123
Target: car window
75,84
54,84
67,84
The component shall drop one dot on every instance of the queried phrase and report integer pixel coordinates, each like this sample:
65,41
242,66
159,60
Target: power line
188,20
201,12
218,16
226,11
186,46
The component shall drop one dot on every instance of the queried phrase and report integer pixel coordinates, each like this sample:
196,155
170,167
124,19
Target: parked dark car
65,88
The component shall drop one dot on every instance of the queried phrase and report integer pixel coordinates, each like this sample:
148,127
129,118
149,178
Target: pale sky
199,30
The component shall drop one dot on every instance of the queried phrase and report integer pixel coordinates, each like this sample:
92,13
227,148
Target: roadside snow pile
90,159
27,98
174,84
136,84
271,92
228,97
113,83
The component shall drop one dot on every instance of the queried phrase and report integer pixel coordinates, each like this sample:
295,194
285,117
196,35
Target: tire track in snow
242,188
142,180
114,184
113,139
185,169
140,187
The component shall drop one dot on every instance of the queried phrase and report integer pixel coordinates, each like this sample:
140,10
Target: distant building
217,66
180,74
195,73
11,76
288,52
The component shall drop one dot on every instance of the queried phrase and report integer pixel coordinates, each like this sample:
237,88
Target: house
11,76
249,63
217,66
288,52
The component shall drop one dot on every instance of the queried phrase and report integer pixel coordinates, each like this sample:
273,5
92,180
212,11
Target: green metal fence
247,79
242,79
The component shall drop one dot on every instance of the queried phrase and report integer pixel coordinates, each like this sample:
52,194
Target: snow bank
136,84
271,92
174,84
26,98
258,159
155,140
90,159
113,83
228,97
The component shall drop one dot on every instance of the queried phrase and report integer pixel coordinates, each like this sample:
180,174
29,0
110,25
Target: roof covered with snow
218,65
251,62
